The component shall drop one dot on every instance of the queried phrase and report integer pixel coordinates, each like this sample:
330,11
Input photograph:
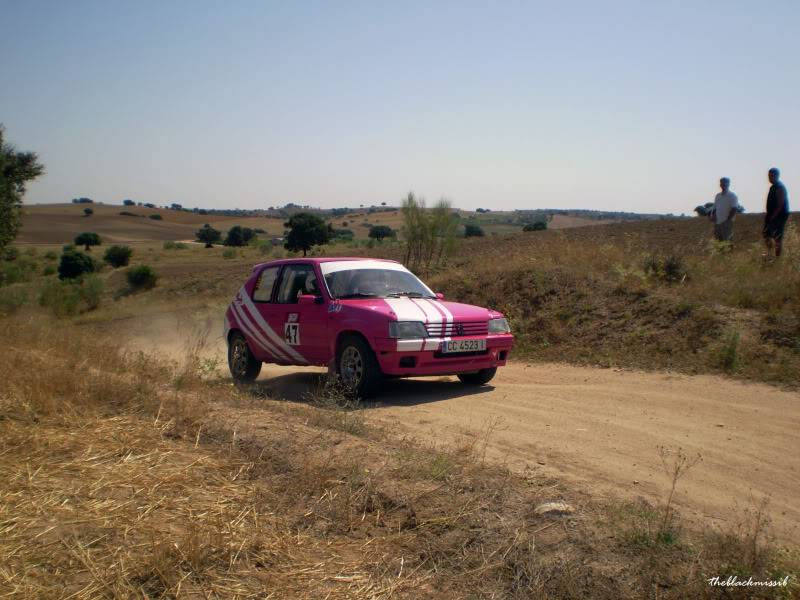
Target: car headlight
407,329
499,326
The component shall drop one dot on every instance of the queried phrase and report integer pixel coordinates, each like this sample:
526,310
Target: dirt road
600,428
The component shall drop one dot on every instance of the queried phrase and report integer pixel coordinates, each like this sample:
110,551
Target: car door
304,326
265,342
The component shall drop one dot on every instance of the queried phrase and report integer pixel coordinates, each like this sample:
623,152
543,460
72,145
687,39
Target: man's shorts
773,228
724,231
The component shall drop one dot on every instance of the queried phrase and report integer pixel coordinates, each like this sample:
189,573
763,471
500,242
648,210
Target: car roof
317,260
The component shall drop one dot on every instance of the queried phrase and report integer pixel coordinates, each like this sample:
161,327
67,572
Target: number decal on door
291,333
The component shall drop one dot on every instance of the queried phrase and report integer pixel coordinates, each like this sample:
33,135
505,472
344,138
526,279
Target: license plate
464,346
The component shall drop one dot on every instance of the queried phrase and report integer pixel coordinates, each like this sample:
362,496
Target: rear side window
296,280
264,285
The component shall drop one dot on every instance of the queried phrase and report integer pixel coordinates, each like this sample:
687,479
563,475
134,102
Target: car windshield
376,283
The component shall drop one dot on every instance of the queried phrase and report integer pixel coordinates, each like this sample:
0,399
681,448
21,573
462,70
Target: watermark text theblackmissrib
734,581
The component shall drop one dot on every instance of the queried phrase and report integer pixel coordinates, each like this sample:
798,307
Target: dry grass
129,474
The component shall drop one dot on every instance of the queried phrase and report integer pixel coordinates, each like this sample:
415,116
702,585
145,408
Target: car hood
421,309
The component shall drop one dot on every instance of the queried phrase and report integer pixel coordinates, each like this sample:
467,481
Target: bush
51,255
156,217
379,232
74,264
175,245
49,270
11,299
118,256
142,277
91,291
17,271
11,253
670,269
126,213
472,230
537,226
208,235
128,202
88,212
229,253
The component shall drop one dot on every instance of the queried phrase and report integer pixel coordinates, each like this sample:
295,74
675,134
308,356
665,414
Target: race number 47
291,333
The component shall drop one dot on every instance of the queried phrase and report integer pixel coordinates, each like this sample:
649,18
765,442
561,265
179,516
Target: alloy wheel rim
352,366
239,359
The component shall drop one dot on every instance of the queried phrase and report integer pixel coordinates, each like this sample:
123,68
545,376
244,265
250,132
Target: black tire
478,377
357,368
244,367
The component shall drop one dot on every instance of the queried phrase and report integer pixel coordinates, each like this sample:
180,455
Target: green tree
88,212
306,230
16,170
234,237
128,202
208,235
430,233
87,240
239,236
379,232
472,230
118,256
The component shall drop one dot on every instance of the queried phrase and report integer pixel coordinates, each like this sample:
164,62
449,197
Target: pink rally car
365,318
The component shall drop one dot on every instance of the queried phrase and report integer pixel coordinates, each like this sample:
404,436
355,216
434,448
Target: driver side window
296,280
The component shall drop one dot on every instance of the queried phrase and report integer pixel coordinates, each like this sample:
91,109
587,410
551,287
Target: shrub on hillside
170,245
11,299
208,235
66,298
156,217
10,253
50,255
472,230
239,236
537,226
670,269
118,256
74,264
88,212
229,253
380,232
48,270
17,271
142,277
127,213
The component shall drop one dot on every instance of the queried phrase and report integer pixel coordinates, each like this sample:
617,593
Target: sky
634,106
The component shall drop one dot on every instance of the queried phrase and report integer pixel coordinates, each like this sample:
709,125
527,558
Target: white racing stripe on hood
270,333
407,310
432,316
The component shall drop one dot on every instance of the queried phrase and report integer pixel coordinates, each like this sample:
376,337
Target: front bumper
407,358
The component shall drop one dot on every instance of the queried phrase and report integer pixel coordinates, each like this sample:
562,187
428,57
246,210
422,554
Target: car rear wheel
478,377
243,365
358,368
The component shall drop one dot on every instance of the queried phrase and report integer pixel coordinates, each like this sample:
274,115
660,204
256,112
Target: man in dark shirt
777,213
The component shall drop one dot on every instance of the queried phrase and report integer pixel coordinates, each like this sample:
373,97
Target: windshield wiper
357,295
407,295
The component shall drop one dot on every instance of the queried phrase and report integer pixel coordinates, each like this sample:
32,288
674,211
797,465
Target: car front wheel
243,365
358,368
478,377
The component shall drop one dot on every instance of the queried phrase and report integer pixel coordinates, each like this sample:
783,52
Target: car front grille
458,329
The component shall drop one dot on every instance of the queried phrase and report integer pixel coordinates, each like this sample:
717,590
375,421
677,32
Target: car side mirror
439,296
309,299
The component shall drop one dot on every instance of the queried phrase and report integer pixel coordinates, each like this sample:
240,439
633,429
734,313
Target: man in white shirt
726,205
